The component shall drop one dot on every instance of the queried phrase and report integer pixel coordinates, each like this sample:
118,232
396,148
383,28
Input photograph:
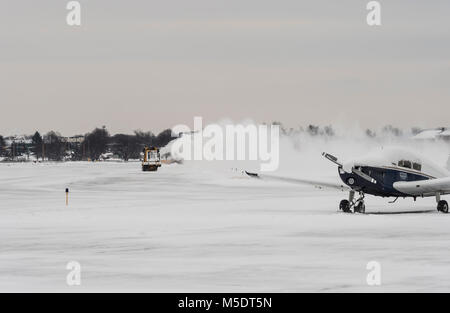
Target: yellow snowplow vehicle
152,159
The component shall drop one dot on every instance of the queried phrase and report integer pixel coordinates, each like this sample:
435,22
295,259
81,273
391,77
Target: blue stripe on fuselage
385,178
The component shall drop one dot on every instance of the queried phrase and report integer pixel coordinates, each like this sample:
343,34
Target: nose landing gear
358,206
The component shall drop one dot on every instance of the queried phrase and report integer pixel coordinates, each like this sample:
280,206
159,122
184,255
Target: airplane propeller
353,170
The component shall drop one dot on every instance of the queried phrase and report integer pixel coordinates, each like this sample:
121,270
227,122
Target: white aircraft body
391,173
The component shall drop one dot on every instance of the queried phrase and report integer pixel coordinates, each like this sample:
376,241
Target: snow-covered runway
192,229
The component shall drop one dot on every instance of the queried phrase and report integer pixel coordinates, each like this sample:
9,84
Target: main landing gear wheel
360,207
443,206
344,206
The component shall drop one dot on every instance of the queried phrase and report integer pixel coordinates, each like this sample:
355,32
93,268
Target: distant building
18,145
74,139
18,140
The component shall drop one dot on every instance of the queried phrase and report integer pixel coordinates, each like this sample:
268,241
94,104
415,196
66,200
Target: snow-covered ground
194,228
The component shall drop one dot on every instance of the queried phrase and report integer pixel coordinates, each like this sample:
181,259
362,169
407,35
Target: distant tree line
328,131
95,144
92,146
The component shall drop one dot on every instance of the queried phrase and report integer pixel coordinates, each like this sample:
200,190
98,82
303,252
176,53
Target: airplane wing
425,187
317,184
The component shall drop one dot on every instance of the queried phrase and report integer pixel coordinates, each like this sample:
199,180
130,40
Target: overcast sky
153,64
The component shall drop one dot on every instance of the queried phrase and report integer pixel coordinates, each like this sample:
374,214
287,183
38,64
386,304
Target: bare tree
329,131
54,146
370,133
163,138
145,138
392,131
313,130
2,146
97,142
126,146
36,144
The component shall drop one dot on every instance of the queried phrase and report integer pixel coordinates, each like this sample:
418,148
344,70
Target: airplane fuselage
379,181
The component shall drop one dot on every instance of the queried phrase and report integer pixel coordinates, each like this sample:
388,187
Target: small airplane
393,173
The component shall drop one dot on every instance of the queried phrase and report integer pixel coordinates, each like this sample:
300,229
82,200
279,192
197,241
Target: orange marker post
67,196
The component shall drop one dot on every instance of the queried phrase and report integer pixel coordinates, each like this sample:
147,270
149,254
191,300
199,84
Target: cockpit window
404,163
417,166
408,164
